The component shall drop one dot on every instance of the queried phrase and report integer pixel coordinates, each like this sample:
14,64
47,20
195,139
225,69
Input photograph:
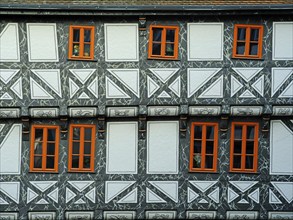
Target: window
163,42
81,42
203,147
81,148
247,41
44,148
244,147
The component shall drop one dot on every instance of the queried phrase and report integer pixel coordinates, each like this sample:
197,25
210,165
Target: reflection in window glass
76,34
170,35
157,34
254,34
241,34
87,35
169,50
156,49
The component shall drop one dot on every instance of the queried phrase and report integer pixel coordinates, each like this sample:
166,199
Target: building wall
45,87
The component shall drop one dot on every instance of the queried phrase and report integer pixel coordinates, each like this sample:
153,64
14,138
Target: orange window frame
81,42
248,41
82,142
163,42
44,143
204,140
243,153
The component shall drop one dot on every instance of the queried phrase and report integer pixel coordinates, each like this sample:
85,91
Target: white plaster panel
162,147
205,41
121,42
42,42
10,151
281,151
122,141
9,41
283,40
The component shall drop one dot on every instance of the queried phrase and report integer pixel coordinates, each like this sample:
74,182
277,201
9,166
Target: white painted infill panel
122,142
121,42
205,41
9,43
10,151
281,149
42,42
162,147
283,40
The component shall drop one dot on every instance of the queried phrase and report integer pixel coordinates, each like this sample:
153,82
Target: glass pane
76,133
237,147
88,134
209,162
241,34
75,149
157,34
209,147
87,50
37,162
76,35
253,50
50,162
86,162
240,48
169,50
38,134
249,147
197,146
249,162
51,134
237,162
38,149
197,132
254,34
238,132
50,149
197,161
75,161
75,51
250,132
87,148
156,49
170,35
87,35
210,132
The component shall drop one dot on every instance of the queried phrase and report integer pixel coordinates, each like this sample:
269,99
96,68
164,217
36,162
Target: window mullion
163,42
81,148
203,149
81,43
44,148
243,147
247,41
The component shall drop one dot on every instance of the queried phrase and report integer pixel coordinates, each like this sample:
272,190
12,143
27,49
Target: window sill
81,171
247,58
165,59
80,59
243,172
202,172
44,171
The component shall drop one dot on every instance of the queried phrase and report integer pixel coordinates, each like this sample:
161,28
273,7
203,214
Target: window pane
249,162
240,48
197,161
237,162
88,134
37,162
75,161
210,147
38,148
157,34
254,34
238,132
76,35
87,148
156,49
209,162
51,134
50,149
87,35
76,133
253,50
197,146
86,162
249,147
38,134
241,34
210,132
237,147
87,50
197,132
75,149
170,35
250,132
50,162
75,51
169,50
